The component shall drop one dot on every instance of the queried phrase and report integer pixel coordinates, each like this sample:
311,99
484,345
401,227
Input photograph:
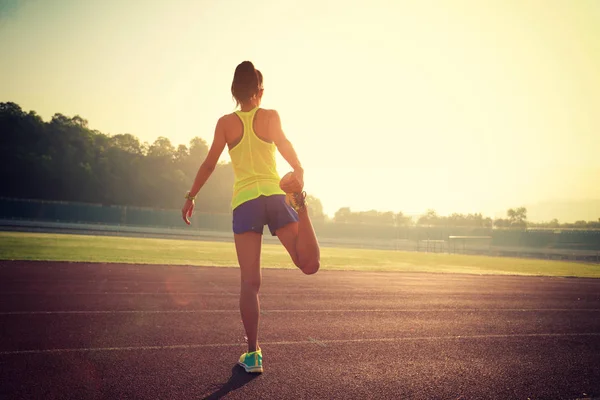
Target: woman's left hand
187,211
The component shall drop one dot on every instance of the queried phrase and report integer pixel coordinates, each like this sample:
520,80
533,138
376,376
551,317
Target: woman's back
234,128
252,151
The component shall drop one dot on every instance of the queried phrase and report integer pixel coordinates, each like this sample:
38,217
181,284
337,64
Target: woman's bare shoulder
269,113
228,118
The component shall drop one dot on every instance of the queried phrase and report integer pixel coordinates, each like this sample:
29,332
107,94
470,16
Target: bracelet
188,196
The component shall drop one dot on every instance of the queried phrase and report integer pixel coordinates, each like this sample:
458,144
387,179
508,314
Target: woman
252,135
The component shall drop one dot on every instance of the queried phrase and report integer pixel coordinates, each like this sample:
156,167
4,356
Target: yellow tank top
254,165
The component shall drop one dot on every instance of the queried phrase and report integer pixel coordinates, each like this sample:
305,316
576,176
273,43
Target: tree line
515,218
64,160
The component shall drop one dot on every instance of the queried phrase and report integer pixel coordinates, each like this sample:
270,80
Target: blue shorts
253,215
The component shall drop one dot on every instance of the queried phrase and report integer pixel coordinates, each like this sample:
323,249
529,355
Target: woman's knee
251,283
310,267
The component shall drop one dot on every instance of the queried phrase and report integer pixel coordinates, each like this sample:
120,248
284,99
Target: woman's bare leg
248,246
301,242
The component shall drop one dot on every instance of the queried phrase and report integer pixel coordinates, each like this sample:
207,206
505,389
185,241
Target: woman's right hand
299,175
292,182
187,211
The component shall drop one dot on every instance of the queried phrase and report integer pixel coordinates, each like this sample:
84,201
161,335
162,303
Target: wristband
188,196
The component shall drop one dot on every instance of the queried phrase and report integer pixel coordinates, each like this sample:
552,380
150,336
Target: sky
454,105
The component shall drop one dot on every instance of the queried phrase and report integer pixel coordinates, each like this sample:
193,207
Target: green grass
62,247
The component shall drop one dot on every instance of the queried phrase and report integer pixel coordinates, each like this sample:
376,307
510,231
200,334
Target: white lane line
291,311
118,312
109,293
316,341
216,290
302,342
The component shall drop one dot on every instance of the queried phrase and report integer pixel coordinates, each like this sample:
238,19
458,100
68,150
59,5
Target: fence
52,211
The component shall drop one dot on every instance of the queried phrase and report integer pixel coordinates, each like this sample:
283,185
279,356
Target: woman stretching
259,196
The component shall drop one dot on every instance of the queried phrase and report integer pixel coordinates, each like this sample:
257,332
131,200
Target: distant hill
564,210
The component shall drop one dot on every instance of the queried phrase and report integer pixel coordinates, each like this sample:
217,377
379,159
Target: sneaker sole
251,370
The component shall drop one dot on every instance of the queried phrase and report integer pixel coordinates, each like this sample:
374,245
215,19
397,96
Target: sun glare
392,106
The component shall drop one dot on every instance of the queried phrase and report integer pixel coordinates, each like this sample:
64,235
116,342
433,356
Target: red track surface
106,331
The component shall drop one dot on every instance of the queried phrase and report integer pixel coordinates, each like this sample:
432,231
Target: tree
517,217
126,142
198,150
11,110
402,220
343,215
315,209
65,160
161,147
501,223
387,218
181,154
429,218
487,222
77,120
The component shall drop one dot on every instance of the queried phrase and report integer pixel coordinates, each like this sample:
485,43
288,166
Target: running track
106,331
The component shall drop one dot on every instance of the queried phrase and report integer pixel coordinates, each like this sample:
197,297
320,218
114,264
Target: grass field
63,247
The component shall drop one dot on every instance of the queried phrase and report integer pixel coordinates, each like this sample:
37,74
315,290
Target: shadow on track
238,378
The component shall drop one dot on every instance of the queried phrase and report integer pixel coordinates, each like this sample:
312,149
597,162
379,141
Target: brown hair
247,81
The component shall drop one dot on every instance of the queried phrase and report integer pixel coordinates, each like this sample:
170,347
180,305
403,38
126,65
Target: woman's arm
205,170
285,146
